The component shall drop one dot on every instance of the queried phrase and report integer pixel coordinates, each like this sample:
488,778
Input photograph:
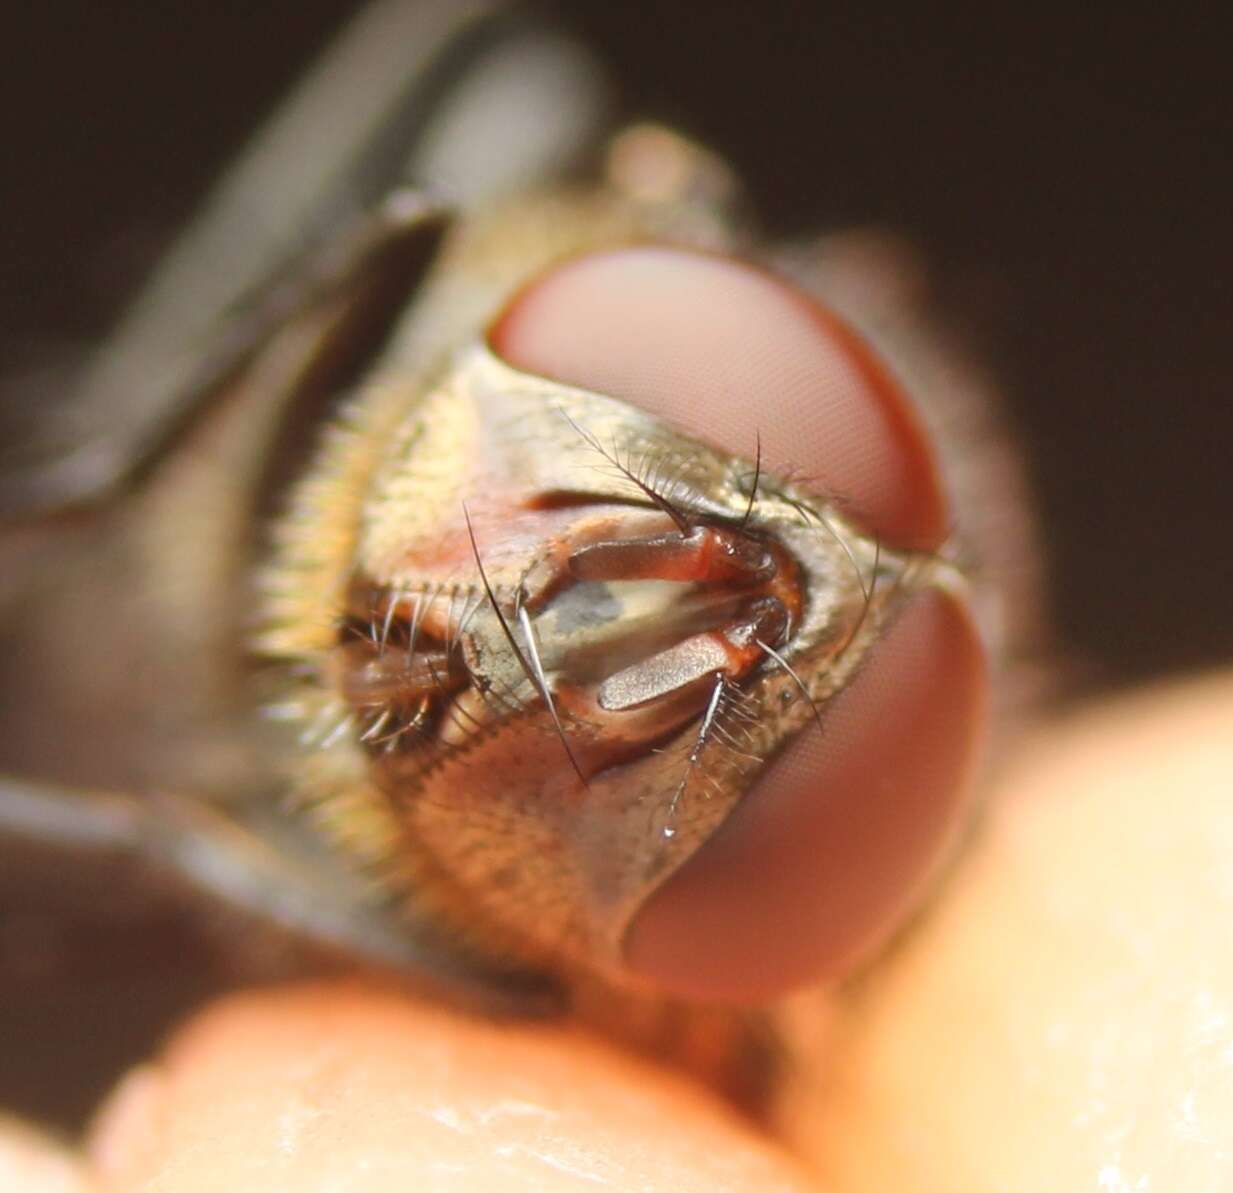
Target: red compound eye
826,854
728,353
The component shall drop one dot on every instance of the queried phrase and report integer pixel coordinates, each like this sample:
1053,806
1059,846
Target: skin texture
1060,1021
1065,1021
29,1161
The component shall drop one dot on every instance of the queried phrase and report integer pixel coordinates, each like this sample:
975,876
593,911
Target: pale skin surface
1063,1020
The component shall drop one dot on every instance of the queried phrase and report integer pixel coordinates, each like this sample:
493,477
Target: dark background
1071,178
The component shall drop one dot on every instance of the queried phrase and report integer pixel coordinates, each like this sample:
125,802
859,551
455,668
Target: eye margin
839,400
752,914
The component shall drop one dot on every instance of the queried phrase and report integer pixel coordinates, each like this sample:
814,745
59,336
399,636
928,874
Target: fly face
622,614
624,702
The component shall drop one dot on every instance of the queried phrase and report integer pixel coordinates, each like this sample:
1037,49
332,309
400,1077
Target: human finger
343,1086
31,1162
1064,1020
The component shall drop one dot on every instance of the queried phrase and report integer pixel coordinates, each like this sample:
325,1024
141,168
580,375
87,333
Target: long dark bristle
753,491
535,679
868,595
796,679
533,650
652,494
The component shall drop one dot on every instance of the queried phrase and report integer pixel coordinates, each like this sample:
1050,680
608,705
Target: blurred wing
465,96
319,226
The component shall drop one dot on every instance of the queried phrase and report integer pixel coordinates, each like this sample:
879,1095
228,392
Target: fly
436,577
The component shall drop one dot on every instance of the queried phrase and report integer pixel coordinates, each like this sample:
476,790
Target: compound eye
826,854
731,354
829,851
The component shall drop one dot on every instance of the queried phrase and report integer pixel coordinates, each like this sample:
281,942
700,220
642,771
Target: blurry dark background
1070,175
